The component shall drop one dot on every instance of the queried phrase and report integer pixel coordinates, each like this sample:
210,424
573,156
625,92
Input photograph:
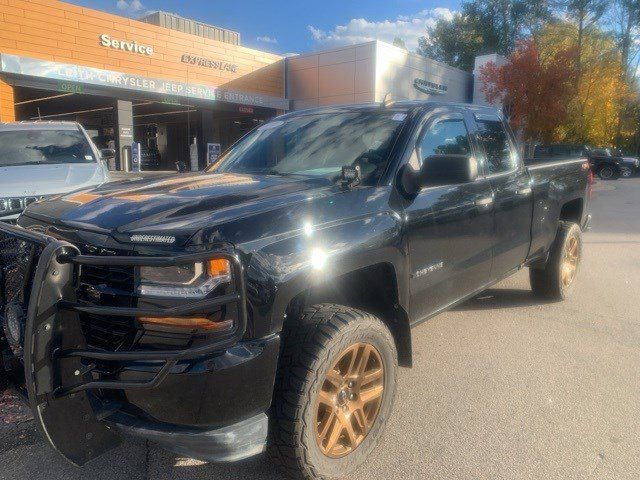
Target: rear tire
556,280
608,173
320,349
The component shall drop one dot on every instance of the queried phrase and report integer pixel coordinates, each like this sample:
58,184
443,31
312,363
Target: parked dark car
267,302
631,165
603,164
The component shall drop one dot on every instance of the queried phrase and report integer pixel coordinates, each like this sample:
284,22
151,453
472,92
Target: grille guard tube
169,357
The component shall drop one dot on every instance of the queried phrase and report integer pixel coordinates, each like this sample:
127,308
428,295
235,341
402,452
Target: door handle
484,202
524,191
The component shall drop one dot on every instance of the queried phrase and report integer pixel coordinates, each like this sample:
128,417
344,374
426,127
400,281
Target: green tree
491,26
399,42
624,19
455,42
585,14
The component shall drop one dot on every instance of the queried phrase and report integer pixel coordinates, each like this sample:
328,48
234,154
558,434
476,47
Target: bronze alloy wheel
570,261
349,400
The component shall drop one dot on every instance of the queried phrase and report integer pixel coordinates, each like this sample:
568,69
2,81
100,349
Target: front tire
334,392
556,280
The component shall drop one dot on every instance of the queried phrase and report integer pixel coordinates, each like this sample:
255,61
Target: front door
450,227
513,194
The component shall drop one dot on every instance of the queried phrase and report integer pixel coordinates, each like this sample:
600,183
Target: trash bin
125,159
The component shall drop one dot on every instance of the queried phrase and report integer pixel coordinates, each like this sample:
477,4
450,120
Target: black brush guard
55,350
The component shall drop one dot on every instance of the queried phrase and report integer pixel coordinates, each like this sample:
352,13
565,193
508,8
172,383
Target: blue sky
300,26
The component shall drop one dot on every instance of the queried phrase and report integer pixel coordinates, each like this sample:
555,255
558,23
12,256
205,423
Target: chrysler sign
430,88
32,67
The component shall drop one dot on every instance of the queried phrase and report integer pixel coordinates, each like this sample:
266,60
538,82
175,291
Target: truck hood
173,204
44,180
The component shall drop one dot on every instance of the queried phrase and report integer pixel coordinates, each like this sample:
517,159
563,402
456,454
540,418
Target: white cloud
130,6
267,39
408,27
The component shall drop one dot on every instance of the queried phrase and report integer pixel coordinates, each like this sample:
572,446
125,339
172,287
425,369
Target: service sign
130,46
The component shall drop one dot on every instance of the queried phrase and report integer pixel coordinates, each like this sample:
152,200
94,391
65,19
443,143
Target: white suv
41,159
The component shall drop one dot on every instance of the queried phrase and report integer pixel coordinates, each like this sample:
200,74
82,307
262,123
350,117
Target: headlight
187,281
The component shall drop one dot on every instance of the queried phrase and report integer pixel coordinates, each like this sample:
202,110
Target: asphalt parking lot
503,387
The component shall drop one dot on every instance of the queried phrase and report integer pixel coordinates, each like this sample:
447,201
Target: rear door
513,195
449,227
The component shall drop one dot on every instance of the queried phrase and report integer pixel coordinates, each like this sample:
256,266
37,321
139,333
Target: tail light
590,178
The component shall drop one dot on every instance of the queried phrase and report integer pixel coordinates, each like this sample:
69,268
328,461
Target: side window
542,151
501,157
445,137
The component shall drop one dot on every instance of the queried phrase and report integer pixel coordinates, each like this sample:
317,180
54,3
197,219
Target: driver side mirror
107,153
439,170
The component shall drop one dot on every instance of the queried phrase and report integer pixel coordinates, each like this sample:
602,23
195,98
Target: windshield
43,147
603,152
317,145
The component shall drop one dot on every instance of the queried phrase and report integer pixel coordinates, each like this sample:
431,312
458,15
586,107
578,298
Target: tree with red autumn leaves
535,90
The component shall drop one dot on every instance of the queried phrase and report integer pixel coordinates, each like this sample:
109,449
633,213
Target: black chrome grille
108,286
108,333
114,277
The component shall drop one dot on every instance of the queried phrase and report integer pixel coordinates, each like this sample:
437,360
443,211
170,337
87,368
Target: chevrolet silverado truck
266,303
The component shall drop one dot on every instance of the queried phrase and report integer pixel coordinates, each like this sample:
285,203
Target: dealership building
180,87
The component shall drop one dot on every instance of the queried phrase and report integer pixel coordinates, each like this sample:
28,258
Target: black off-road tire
547,282
311,344
608,172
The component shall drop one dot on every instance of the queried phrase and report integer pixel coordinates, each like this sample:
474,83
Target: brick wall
65,33
7,110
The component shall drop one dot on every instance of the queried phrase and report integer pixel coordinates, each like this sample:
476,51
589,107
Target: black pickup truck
266,303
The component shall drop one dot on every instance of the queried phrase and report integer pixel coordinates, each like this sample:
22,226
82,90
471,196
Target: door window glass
500,154
446,137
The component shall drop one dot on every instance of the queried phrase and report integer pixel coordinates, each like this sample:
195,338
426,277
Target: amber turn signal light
218,267
188,323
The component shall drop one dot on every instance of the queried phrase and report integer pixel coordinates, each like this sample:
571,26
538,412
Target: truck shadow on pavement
497,298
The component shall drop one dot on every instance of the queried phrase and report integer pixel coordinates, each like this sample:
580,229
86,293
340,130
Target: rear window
44,147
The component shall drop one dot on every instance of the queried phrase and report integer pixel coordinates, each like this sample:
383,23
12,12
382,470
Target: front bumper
226,444
211,392
202,392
